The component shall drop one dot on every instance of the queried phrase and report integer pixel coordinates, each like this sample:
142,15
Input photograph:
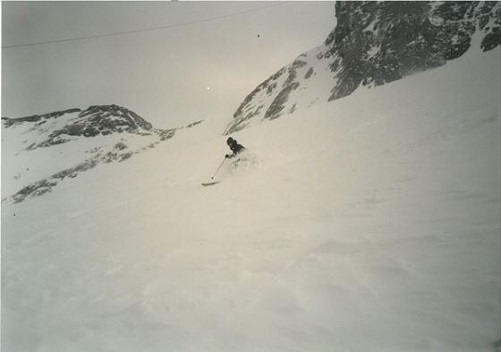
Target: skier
235,148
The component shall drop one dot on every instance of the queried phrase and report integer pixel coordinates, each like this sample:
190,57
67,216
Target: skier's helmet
230,141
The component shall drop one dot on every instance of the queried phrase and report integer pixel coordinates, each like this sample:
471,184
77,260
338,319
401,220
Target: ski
210,183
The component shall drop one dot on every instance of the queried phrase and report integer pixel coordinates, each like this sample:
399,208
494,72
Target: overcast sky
200,62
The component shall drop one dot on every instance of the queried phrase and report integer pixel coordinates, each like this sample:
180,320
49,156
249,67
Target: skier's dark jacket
235,147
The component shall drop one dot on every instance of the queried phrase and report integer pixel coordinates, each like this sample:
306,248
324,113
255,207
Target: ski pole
218,168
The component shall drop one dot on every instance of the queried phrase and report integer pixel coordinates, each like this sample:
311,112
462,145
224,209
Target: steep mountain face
373,43
67,143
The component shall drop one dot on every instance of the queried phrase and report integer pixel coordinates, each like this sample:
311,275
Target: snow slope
371,223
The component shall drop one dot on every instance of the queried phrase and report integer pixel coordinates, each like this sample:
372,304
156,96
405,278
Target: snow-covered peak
64,126
374,43
43,150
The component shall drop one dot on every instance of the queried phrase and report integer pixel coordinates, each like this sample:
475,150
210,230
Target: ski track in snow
368,224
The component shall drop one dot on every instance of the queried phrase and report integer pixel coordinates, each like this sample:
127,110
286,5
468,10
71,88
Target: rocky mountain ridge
69,142
373,43
63,126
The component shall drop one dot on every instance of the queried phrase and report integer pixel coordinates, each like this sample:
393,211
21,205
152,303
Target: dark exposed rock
406,37
114,117
277,106
36,189
193,124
